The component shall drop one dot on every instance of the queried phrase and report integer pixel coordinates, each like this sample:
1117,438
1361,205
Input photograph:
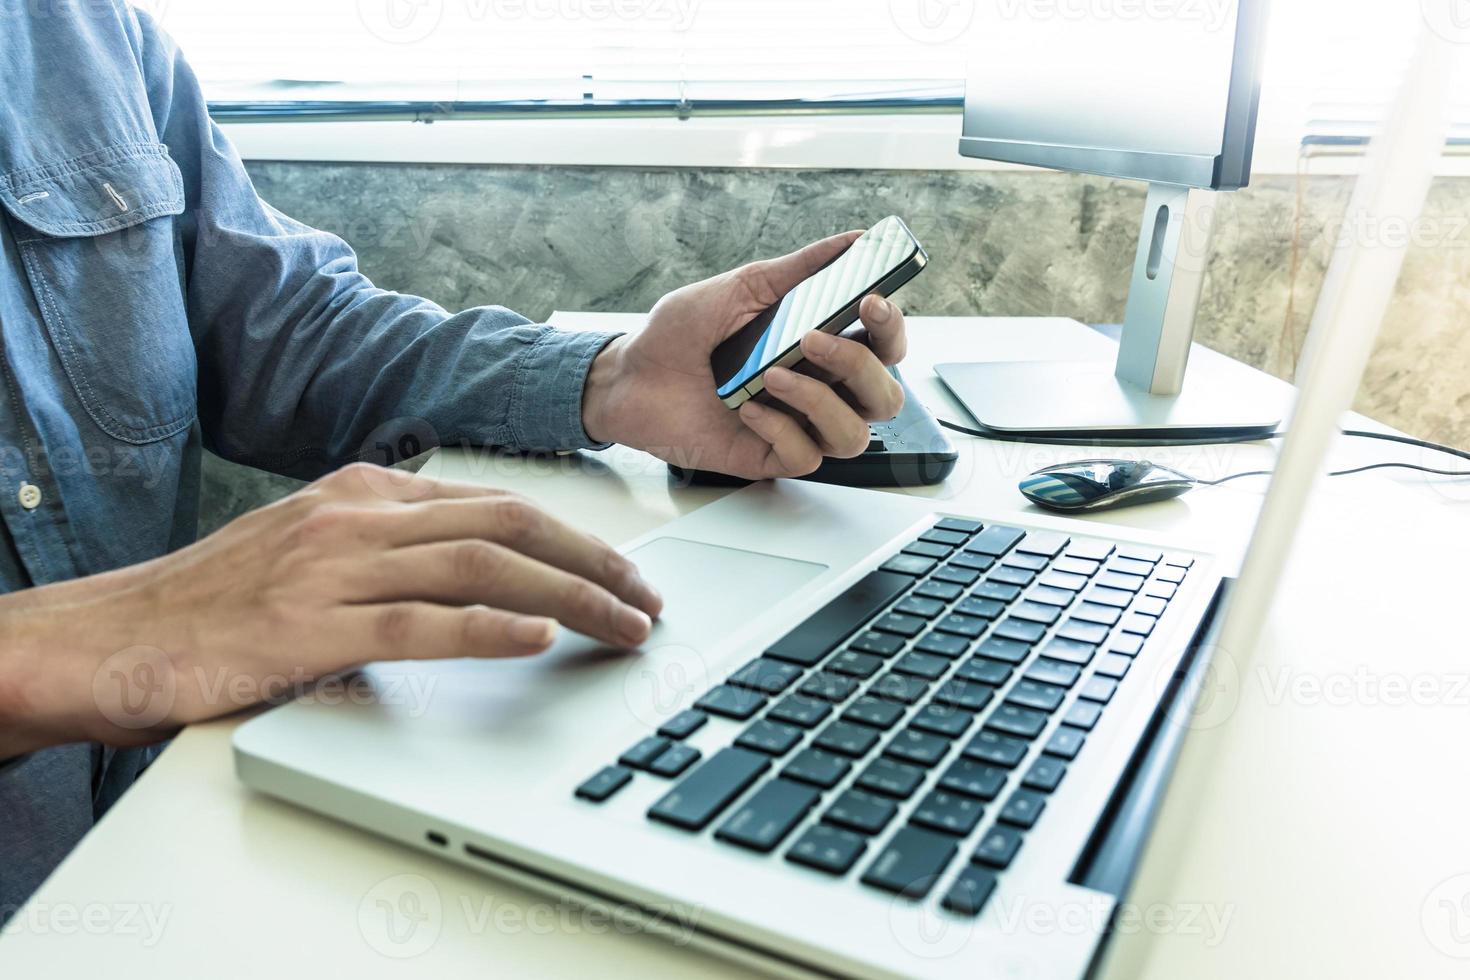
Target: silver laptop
866,736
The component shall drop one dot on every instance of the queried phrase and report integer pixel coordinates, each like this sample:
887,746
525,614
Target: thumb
771,279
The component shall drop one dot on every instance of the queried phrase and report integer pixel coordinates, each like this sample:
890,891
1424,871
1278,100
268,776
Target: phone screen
883,249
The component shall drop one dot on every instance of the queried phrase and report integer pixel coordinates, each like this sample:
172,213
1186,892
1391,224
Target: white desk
1326,845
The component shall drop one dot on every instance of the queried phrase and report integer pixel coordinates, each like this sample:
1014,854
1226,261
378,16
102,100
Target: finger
426,631
516,523
840,431
792,453
468,573
853,365
771,279
887,332
368,481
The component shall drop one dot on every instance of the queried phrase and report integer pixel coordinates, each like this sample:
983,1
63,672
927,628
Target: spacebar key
698,797
837,620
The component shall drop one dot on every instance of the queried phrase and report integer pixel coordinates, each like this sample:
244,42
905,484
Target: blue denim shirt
152,306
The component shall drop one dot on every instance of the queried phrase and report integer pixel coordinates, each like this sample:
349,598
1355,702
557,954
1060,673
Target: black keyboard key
980,608
944,644
820,634
963,694
1112,665
699,797
1127,644
800,711
817,767
1083,714
1098,689
846,738
969,627
604,783
888,777
770,737
991,672
918,747
854,664
641,755
1138,623
957,575
927,549
765,675
1045,774
684,724
771,813
1020,630
941,719
880,644
995,540
999,591
1022,809
912,862
1071,651
1092,612
902,688
959,524
1044,543
1032,694
1008,651
674,760
1015,720
828,686
906,564
731,702
874,712
920,664
1049,671
998,847
944,591
860,812
919,606
973,779
1065,742
940,535
1090,550
948,813
901,625
1037,612
1010,575
969,559
995,748
828,849
970,891
1076,629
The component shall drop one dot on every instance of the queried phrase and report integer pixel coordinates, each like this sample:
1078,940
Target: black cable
1354,433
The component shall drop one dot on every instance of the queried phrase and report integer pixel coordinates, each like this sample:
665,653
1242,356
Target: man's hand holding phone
656,389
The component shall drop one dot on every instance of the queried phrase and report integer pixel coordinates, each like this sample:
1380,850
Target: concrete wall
541,238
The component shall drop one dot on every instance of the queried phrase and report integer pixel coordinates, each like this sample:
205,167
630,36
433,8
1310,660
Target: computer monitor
1163,91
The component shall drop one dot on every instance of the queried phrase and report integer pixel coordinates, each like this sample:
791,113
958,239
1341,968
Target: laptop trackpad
712,595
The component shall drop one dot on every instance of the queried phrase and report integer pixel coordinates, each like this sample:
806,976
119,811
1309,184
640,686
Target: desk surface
1336,846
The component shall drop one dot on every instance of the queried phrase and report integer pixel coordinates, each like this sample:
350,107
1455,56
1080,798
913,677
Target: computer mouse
1101,484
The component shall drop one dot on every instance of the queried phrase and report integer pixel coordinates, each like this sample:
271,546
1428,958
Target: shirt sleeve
303,363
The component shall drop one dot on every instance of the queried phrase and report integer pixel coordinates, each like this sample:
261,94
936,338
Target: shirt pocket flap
96,193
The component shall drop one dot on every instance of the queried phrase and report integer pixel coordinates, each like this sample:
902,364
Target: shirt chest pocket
98,240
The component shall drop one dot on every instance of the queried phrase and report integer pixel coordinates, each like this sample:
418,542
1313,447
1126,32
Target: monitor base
1084,400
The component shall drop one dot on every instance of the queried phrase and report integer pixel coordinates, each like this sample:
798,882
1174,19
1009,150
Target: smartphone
883,259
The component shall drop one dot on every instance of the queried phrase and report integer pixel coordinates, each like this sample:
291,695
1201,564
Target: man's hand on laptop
365,564
654,390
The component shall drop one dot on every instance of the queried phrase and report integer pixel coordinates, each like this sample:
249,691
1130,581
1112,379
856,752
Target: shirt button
30,496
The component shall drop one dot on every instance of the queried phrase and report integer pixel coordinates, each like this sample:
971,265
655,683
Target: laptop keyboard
910,720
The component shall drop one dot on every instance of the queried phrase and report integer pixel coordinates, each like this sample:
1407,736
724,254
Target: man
153,307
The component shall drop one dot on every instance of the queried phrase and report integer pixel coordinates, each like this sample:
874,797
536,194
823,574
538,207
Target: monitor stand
1150,393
